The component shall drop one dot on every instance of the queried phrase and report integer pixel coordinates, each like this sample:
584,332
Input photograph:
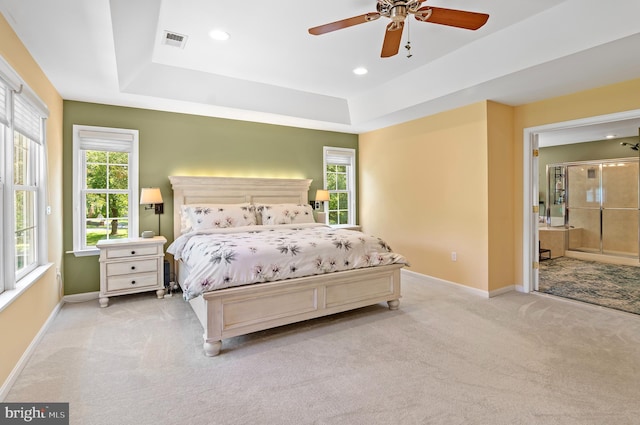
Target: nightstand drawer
132,281
134,251
130,267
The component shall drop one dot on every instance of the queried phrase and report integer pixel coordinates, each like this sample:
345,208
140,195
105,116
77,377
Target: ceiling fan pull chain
408,45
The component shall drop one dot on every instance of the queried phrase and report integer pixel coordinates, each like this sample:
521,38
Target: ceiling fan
397,11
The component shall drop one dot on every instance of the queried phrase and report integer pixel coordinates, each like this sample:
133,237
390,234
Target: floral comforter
221,258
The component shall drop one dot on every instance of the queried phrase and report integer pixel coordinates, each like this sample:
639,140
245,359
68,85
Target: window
340,181
25,190
105,186
22,180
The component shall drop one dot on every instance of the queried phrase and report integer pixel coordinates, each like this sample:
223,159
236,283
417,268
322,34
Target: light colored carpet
447,356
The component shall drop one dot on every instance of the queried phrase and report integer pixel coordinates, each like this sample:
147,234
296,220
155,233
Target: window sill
85,253
9,296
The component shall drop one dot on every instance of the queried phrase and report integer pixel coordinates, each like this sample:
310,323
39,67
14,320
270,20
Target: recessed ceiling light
610,136
360,70
219,35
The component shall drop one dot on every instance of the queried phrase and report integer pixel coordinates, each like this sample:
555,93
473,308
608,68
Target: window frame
341,156
30,122
4,210
34,153
102,138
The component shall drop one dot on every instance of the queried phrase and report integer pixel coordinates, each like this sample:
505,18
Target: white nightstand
128,266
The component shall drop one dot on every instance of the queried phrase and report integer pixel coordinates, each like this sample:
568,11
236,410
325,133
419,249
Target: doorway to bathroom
598,224
593,214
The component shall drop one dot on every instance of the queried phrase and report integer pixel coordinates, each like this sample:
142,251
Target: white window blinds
91,140
339,157
4,119
27,120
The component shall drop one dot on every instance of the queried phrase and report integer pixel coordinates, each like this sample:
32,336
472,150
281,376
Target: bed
225,312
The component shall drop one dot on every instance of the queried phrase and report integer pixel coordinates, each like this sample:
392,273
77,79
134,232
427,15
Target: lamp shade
150,195
322,195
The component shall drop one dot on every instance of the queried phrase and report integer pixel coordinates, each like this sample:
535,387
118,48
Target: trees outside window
107,196
339,178
105,186
25,152
337,185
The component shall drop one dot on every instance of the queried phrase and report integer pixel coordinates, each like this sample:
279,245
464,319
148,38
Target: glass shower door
602,204
583,207
620,209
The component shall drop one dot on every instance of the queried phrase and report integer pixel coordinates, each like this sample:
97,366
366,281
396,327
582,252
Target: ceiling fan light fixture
397,11
219,35
361,70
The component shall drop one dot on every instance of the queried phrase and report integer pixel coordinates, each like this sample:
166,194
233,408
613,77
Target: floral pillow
217,216
285,214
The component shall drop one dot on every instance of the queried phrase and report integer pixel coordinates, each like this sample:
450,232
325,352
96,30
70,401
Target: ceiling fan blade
392,39
452,17
345,23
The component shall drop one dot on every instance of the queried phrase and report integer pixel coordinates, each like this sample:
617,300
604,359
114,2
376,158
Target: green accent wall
182,144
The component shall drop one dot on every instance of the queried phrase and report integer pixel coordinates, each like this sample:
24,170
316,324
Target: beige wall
21,320
500,188
423,188
453,182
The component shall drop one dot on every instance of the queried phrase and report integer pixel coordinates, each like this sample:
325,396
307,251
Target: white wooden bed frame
241,310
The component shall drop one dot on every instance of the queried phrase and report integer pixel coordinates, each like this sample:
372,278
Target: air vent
174,39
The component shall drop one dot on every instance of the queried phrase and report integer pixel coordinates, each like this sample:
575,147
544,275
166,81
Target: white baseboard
501,291
480,292
80,298
6,386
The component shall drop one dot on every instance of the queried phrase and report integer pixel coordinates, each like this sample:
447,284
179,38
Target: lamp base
321,217
148,234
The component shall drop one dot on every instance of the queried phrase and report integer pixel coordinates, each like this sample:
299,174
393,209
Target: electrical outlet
454,256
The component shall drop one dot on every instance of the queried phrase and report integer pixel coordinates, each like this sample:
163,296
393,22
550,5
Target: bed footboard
242,310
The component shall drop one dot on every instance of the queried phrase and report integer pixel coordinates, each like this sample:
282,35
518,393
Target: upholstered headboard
234,190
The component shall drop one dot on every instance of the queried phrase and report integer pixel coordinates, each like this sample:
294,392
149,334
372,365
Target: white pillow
216,216
285,214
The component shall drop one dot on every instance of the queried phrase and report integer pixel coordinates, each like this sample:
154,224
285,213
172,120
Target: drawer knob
133,253
133,282
133,267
